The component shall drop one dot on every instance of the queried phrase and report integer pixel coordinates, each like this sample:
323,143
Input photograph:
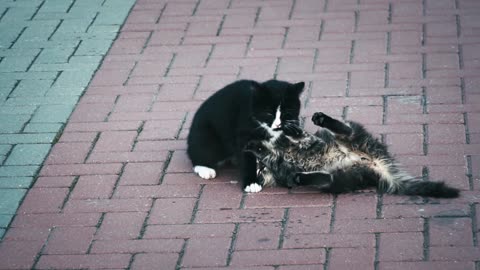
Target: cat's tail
426,189
403,184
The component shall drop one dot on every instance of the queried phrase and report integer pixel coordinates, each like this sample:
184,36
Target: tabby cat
341,157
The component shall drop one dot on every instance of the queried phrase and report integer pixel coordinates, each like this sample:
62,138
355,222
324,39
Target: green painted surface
5,220
49,51
10,200
52,114
15,171
27,138
43,127
28,154
15,182
4,149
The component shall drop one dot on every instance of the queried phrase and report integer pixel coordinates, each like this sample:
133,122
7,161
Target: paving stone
141,174
93,47
16,182
94,186
12,126
44,200
69,240
256,236
308,220
42,127
54,181
27,234
13,123
98,261
52,113
71,78
80,169
5,220
16,64
66,91
39,138
28,154
4,149
401,247
348,258
220,197
19,254
189,231
421,265
56,219
451,232
150,260
172,211
278,257
108,205
121,225
20,109
10,200
318,240
31,88
15,171
214,250
81,150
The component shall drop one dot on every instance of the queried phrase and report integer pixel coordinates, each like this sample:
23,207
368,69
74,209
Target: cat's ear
298,88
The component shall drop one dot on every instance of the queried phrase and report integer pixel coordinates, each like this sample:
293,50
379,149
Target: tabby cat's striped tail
426,189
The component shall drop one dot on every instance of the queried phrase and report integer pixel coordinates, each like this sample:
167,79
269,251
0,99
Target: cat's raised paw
292,130
205,172
318,118
253,188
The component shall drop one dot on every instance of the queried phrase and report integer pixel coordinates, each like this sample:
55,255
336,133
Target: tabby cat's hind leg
319,179
352,179
322,120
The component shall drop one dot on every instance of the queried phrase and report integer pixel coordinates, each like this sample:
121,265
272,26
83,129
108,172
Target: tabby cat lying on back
341,157
227,120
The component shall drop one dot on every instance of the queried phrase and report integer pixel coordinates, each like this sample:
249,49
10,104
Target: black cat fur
341,157
232,116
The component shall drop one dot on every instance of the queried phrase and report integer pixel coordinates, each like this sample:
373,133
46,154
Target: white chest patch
277,122
274,133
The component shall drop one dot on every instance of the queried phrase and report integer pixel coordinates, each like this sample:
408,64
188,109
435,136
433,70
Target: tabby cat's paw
205,172
318,118
253,188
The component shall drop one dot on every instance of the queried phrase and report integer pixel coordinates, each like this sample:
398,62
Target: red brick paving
117,191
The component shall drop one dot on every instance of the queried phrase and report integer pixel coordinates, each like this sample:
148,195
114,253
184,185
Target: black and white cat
228,119
341,157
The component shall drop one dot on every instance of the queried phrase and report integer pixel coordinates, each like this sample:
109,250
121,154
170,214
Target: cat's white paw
253,188
205,172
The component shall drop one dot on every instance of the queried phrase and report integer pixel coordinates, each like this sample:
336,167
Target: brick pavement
49,51
117,190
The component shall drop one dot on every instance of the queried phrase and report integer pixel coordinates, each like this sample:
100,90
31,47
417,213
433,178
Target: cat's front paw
318,118
205,172
253,188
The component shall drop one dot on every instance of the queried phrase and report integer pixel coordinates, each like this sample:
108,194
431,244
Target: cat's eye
288,114
266,116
